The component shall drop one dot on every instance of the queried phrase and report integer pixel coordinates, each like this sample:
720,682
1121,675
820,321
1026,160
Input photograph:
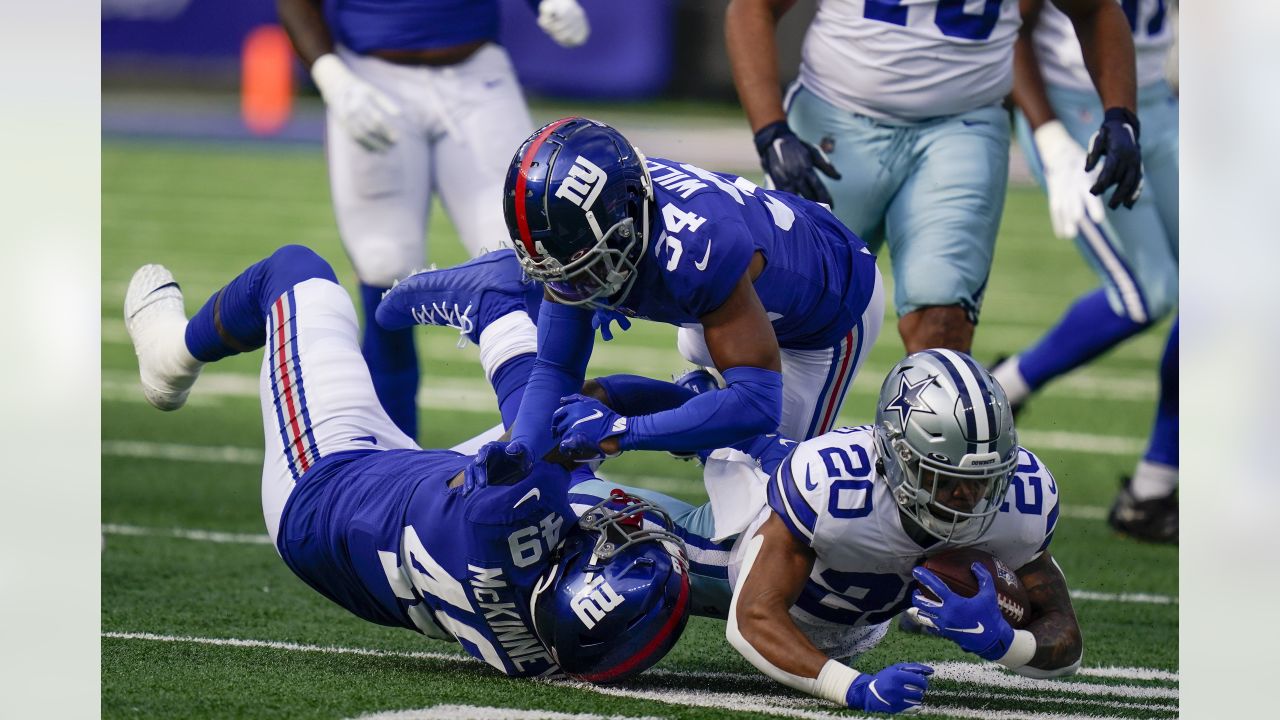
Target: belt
435,57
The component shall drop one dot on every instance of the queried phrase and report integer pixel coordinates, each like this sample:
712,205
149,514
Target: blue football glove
892,690
497,463
975,624
1118,140
582,423
603,316
790,162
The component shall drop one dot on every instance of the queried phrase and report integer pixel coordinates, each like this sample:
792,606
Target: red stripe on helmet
650,647
522,217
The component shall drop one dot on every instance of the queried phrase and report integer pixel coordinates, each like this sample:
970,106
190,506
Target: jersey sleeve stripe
790,505
1050,525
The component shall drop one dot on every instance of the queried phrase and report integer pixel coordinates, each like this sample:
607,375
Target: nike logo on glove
595,414
971,631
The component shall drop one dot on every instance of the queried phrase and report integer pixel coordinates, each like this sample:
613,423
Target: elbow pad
750,405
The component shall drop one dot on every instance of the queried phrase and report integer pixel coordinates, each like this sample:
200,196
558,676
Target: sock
1162,449
1153,480
393,364
1009,375
509,380
1089,328
632,395
233,320
504,338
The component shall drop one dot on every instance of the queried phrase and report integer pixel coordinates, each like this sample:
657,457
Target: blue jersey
818,276
383,535
367,25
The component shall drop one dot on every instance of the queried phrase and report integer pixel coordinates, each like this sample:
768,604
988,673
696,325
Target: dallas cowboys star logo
909,399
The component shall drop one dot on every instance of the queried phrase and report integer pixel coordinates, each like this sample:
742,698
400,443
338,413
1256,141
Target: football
953,568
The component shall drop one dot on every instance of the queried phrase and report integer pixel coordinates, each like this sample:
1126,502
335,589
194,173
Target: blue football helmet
616,598
576,201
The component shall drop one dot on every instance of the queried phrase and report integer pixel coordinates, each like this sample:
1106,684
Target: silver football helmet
945,434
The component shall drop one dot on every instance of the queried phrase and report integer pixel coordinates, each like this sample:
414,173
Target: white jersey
910,59
1058,50
831,498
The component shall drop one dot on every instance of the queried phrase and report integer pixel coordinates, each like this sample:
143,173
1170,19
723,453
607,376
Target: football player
767,287
479,549
898,105
819,543
419,99
1134,251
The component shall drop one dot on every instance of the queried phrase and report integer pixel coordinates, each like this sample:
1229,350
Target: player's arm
1059,646
565,340
1106,42
1028,84
304,21
774,571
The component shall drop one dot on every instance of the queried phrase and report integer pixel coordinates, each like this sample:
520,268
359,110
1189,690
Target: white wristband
1021,650
834,681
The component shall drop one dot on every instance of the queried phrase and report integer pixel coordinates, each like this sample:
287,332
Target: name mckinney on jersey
497,603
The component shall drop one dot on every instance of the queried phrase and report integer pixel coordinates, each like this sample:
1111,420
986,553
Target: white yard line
784,704
486,712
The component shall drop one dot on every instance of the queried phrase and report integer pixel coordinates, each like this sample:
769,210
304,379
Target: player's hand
498,463
601,319
582,424
789,162
894,689
1070,200
975,624
564,21
1118,140
364,111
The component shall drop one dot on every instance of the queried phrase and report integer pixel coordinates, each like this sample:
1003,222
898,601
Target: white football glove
362,109
564,21
1070,201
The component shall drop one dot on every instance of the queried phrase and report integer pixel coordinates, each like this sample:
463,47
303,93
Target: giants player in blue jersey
768,288
479,549
816,546
415,91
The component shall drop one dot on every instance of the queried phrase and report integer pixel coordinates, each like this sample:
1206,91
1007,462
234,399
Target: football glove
894,689
1118,140
564,21
601,319
364,111
1070,200
497,463
789,162
975,624
582,423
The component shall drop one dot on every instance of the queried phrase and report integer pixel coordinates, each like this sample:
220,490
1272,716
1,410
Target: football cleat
157,323
1151,520
465,297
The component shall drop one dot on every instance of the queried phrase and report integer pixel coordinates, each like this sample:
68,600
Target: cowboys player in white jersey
1133,251
822,539
898,104
419,99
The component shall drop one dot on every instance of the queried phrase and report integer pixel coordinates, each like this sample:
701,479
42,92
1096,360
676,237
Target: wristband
834,681
1020,651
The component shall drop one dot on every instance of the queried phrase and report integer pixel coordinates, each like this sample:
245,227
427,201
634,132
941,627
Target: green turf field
200,618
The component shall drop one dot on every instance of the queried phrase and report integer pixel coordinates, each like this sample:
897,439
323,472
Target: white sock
510,335
1010,378
1153,480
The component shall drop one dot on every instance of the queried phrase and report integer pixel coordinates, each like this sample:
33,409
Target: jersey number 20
950,17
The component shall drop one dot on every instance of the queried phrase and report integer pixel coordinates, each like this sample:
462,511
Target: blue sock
632,395
1089,328
233,320
1163,447
393,364
509,381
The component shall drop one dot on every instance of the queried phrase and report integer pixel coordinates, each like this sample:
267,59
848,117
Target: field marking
488,712
216,536
1063,699
785,704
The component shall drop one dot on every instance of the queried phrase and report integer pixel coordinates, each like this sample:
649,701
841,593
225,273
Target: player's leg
708,560
866,153
941,227
381,202
484,119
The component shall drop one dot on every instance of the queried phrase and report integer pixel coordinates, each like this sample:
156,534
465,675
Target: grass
208,211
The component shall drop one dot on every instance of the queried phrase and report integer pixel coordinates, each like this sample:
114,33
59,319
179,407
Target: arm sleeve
750,405
565,338
632,395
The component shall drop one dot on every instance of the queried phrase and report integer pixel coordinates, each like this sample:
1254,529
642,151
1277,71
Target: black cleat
1152,520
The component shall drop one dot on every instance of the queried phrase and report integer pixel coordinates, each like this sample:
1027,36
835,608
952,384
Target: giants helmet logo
583,184
594,601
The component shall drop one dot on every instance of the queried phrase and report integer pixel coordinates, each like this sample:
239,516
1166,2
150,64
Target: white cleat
157,324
